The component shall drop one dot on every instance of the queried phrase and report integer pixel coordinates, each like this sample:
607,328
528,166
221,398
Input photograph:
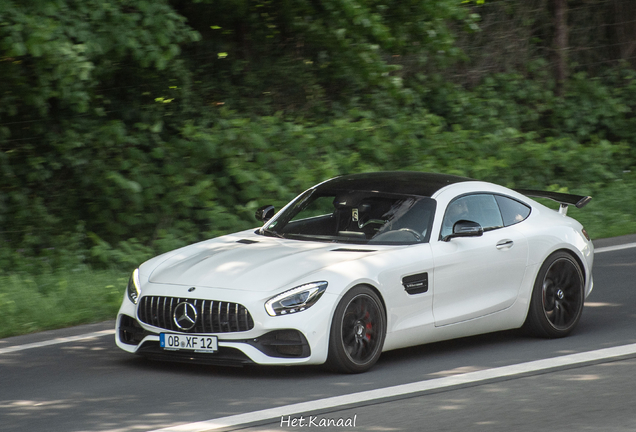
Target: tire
557,297
357,331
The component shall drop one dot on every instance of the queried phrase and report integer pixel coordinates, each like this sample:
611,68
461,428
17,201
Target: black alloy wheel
357,331
557,299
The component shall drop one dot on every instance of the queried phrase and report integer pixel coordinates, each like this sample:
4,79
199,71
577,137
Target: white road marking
406,389
601,304
615,248
56,341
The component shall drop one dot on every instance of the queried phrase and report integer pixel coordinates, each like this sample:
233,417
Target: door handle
505,244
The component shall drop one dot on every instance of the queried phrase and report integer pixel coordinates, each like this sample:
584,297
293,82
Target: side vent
416,284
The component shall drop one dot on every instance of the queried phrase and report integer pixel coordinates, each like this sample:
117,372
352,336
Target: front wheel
557,297
357,331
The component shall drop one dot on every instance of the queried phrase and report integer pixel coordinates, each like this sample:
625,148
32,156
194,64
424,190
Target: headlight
296,299
133,287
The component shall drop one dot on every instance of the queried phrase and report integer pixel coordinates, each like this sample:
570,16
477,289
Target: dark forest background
128,128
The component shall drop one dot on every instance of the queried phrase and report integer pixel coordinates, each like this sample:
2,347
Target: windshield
360,217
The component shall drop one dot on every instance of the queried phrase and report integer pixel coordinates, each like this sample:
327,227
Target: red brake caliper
368,326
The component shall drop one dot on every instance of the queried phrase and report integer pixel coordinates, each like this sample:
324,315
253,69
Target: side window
480,208
512,210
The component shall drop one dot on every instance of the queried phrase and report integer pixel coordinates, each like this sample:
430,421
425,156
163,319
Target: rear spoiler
563,199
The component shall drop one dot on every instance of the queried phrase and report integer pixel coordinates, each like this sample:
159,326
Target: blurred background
129,128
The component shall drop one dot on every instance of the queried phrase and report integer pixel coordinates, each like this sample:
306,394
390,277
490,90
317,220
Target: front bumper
300,338
284,344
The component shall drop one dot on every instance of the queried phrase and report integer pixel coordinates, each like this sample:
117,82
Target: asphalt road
90,385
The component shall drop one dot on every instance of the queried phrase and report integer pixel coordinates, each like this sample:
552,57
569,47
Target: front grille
212,316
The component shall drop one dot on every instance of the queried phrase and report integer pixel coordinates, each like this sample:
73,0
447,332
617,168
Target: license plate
196,343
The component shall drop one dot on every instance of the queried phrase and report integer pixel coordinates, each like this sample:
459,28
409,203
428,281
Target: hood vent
352,250
246,241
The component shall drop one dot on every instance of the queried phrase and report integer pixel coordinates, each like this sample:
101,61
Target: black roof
397,182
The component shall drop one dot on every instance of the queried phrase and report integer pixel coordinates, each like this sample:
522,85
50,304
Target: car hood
250,262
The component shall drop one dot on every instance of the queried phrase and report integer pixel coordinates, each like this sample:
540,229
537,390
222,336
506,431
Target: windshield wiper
271,233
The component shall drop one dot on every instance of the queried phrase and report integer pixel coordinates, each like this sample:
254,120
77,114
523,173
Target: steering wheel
417,235
371,221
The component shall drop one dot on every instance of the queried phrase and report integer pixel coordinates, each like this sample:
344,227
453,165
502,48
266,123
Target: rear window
512,210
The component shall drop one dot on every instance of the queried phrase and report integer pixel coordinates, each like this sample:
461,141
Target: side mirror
265,213
465,228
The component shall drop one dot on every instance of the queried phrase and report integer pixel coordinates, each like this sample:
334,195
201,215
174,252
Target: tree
561,43
299,53
79,79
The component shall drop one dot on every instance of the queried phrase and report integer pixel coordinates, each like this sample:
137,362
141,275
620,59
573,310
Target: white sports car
362,264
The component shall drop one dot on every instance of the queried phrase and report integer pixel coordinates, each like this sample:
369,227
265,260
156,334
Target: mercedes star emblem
185,316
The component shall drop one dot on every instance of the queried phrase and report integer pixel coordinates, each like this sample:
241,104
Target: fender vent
415,284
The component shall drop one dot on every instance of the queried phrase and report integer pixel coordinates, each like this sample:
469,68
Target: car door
476,276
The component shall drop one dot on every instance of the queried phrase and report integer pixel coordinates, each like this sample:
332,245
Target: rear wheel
557,297
357,331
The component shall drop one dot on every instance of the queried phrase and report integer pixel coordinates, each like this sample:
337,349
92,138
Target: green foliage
35,302
592,111
57,53
140,198
315,56
132,128
612,209
78,103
